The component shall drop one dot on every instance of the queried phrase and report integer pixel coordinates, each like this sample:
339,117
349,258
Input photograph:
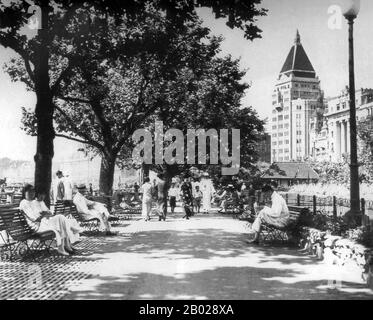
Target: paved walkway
206,258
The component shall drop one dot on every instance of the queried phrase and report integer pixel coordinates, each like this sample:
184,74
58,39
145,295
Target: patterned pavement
205,257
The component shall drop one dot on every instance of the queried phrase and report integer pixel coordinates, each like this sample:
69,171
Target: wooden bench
7,243
276,233
108,202
27,241
68,209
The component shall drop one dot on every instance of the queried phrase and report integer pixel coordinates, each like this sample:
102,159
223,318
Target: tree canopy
53,55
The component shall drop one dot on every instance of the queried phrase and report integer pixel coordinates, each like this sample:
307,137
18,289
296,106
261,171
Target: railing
329,205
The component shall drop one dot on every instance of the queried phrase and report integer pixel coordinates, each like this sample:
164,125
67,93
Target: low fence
328,205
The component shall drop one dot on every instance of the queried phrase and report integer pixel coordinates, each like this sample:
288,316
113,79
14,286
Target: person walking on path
173,193
187,198
136,189
162,198
59,187
146,189
198,195
208,191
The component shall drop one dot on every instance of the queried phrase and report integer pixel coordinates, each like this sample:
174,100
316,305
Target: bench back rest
16,224
62,208
293,216
67,208
74,213
17,198
105,200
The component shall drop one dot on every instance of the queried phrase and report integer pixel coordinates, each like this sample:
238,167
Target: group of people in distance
196,196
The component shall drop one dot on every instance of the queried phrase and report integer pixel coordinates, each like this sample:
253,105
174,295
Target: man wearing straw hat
92,209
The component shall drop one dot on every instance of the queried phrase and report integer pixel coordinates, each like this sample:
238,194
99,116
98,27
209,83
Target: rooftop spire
297,61
297,38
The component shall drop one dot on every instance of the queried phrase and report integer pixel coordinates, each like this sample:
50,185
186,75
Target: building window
274,135
287,141
280,118
274,143
286,116
274,119
274,127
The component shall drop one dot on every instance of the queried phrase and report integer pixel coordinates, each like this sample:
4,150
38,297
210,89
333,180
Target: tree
113,94
55,16
207,95
365,133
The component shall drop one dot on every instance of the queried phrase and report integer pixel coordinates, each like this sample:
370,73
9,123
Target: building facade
332,142
296,98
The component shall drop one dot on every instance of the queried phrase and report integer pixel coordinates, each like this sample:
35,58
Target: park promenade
205,257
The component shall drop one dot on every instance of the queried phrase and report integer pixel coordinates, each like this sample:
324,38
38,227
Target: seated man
276,215
91,209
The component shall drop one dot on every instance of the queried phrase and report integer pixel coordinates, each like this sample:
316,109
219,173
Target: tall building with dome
296,99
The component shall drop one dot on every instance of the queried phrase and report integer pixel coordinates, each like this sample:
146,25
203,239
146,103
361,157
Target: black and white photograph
184,155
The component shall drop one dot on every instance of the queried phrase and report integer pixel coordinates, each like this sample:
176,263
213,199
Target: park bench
89,225
124,213
234,207
283,234
68,209
62,207
17,197
7,243
27,242
3,198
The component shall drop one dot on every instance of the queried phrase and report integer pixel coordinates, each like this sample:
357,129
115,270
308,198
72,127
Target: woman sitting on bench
276,215
40,219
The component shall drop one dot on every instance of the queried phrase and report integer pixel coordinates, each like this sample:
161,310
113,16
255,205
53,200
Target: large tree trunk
44,114
107,174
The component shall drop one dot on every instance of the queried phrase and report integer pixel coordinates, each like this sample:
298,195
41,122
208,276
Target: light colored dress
276,215
146,200
208,190
59,224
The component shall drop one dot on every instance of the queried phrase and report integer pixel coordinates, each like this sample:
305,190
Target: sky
326,48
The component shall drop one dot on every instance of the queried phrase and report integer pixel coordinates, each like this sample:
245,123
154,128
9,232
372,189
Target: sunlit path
206,258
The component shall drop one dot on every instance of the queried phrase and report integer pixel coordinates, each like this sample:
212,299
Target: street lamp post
350,12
